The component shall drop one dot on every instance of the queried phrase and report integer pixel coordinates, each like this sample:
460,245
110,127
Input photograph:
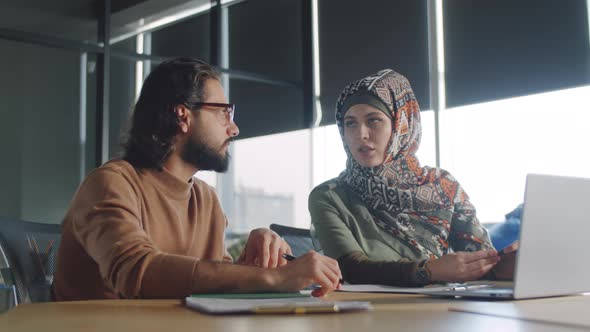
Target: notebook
270,303
553,238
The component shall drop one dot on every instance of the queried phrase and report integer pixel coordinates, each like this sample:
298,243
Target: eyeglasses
227,111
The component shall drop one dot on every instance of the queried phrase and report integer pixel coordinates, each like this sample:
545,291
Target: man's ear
184,118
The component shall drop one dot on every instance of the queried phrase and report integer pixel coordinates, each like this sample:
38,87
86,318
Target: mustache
229,140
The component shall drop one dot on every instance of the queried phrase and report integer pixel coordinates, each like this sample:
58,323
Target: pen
291,257
288,257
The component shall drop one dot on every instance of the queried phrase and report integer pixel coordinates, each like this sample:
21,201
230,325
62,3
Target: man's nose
233,129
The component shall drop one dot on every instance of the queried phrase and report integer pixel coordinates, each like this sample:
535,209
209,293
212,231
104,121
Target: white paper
392,289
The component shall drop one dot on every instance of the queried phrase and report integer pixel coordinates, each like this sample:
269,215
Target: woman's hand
462,266
504,270
264,248
311,268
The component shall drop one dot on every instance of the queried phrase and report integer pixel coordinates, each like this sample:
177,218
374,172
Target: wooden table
393,312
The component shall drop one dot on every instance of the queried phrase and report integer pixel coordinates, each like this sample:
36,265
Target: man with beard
144,227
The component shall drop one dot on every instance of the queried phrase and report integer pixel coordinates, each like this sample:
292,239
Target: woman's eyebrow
374,113
352,117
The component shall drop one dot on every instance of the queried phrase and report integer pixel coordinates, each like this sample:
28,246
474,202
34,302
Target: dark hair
154,124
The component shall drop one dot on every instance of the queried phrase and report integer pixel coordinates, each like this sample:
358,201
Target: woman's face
367,132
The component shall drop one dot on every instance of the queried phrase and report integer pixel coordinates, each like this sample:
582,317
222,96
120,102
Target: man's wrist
271,279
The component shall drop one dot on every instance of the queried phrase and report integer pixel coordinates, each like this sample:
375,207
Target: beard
204,157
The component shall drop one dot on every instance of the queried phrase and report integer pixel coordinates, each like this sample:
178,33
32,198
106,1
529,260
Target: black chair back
299,239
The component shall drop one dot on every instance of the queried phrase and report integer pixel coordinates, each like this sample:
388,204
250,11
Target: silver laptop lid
554,237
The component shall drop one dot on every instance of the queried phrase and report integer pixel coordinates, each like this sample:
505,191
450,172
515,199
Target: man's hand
462,266
311,268
264,248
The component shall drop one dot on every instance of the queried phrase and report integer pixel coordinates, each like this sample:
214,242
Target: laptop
554,243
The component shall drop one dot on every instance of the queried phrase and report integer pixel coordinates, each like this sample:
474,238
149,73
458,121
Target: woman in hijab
386,219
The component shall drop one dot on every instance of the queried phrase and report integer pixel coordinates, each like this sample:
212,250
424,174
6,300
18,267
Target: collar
172,185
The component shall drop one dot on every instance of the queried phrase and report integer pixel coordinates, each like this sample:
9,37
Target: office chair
7,288
30,249
299,239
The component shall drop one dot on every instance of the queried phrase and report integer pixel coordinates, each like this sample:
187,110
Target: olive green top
345,228
343,224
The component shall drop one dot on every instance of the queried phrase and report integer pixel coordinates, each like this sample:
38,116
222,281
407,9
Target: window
44,121
272,181
491,147
356,40
209,177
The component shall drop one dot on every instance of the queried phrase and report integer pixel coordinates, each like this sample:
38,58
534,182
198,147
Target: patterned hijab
414,204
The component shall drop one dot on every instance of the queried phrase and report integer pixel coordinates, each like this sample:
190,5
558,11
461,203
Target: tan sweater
133,233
